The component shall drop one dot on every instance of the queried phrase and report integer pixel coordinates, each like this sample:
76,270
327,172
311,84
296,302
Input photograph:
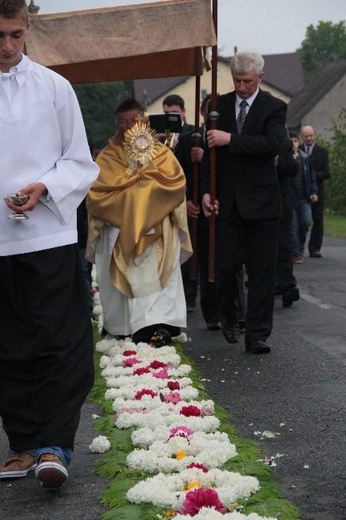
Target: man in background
188,153
175,103
320,164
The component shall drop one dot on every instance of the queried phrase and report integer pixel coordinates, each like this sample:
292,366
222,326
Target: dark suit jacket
320,163
246,170
183,154
287,167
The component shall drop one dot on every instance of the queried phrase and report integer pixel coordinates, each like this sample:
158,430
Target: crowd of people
139,198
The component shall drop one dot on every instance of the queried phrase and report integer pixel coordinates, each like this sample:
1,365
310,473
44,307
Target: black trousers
46,347
285,278
253,243
317,229
210,304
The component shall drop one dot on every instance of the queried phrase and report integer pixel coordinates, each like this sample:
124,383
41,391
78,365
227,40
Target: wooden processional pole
213,116
195,182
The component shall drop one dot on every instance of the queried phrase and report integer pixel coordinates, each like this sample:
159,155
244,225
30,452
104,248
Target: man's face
13,32
126,120
174,108
295,143
246,84
308,136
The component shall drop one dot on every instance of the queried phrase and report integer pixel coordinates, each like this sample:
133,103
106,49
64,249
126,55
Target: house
321,102
283,77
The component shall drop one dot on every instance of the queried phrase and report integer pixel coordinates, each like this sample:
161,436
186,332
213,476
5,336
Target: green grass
335,226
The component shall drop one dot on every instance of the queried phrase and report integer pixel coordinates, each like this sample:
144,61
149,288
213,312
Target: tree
98,102
323,44
335,187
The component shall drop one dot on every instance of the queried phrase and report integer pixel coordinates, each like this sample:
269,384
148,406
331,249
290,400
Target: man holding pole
250,130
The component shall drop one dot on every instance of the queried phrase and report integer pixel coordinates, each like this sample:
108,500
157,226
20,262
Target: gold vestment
146,203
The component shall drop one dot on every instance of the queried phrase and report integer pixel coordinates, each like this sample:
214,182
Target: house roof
308,98
282,71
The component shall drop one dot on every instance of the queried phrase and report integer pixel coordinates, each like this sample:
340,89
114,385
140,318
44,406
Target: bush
335,187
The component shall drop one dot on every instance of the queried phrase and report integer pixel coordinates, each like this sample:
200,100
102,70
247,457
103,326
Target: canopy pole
213,116
196,137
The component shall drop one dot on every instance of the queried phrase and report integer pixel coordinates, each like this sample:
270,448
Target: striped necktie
241,116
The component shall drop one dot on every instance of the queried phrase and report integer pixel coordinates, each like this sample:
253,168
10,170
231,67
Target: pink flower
172,397
201,497
190,411
145,391
157,364
161,374
198,466
129,353
180,431
173,385
129,362
141,371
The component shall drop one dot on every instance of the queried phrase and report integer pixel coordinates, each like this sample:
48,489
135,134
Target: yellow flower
180,455
193,485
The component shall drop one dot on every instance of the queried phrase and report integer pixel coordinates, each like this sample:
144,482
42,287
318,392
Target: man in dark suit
175,103
286,283
188,152
248,201
320,163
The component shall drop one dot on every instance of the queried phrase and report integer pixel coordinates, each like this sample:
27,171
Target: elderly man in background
320,164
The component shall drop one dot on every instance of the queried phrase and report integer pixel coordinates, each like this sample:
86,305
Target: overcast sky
266,26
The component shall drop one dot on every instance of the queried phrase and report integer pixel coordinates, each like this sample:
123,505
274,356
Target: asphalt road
298,392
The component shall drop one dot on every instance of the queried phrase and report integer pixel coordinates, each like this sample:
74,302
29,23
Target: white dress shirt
42,139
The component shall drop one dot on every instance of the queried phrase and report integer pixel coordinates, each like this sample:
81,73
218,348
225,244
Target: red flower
190,411
201,497
173,385
157,364
141,371
129,353
145,391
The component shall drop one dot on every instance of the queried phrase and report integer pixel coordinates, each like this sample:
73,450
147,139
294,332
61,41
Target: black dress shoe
231,333
289,296
257,346
161,338
278,291
213,325
315,254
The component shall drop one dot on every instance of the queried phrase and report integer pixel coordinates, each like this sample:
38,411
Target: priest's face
13,32
126,120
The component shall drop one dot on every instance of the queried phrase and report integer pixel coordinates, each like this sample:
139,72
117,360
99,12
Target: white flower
182,337
100,444
212,450
103,346
170,490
